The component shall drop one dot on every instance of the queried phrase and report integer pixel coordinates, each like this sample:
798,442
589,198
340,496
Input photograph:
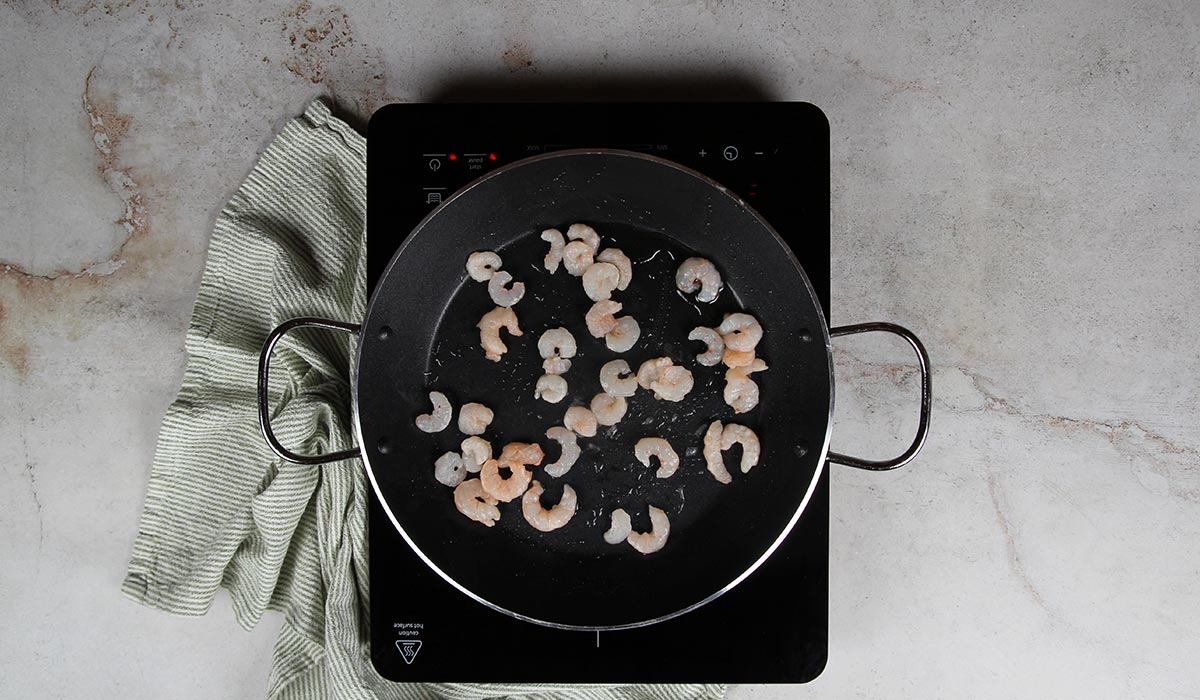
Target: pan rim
821,461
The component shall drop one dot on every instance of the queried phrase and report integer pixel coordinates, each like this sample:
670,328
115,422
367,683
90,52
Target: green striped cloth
221,509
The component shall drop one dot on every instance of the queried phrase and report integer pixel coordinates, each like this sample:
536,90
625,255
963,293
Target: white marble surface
1017,182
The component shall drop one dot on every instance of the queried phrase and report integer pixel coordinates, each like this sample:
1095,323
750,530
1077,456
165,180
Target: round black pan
419,335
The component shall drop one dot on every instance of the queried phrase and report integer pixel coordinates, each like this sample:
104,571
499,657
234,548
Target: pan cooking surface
607,475
419,335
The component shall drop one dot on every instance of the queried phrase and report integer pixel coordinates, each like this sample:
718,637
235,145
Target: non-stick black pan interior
657,214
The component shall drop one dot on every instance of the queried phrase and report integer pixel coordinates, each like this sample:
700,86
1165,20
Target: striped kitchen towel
221,509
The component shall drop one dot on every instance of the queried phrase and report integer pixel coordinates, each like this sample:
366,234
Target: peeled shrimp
555,238
668,460
740,434
577,257
737,358
489,331
620,527
599,280
475,451
473,502
614,381
608,409
557,342
711,338
621,261
712,453
526,453
449,469
717,439
437,420
741,392
740,331
555,365
600,319
501,295
570,451
515,457
650,370
673,383
474,418
541,518
550,388
481,265
624,335
650,542
581,420
698,273
585,233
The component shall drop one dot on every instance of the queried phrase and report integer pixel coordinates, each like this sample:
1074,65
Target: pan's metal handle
926,397
264,408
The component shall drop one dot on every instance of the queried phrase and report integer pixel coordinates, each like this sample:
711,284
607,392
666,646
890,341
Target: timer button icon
731,153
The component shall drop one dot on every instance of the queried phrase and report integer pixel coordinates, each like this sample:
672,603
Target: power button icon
731,153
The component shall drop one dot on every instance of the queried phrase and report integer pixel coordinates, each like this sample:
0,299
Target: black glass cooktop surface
771,628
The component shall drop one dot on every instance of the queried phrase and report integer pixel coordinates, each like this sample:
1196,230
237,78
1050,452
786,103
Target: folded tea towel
221,509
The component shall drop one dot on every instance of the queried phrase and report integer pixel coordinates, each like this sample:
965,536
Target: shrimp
557,342
740,331
475,451
668,460
619,528
437,420
473,502
489,331
650,542
608,409
570,451
500,295
737,358
541,518
474,418
624,335
449,469
551,388
515,457
741,392
673,383
581,420
577,257
711,338
712,453
525,453
600,319
614,381
482,264
650,370
555,238
585,233
599,280
621,261
698,273
740,434
555,365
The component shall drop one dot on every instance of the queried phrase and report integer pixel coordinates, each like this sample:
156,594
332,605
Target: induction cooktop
771,628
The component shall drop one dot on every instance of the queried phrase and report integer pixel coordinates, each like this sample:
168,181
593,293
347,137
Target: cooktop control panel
771,628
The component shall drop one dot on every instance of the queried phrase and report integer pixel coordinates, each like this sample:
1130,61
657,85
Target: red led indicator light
491,156
453,156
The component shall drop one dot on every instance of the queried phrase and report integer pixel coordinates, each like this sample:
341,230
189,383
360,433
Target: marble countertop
1018,183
